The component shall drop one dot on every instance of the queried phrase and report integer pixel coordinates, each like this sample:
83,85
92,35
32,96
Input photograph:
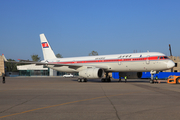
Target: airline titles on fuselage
100,58
123,56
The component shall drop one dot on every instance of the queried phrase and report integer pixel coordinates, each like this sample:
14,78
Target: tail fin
46,48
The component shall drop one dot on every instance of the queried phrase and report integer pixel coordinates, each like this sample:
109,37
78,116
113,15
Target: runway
59,98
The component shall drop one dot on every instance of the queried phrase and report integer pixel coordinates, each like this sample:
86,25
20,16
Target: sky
77,27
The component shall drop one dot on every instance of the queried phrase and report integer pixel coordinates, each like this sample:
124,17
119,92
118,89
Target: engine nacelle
131,75
92,73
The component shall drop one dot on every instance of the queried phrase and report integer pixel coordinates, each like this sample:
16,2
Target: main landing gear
82,80
107,79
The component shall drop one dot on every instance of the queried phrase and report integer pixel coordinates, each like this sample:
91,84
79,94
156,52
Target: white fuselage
132,62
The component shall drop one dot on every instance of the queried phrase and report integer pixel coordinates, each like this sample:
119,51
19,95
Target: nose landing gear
152,72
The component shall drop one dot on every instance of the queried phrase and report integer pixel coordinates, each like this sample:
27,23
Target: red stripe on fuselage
112,60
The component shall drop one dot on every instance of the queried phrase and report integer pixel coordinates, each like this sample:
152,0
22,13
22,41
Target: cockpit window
165,57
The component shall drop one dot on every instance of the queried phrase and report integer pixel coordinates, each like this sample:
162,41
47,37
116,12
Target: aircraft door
74,61
147,60
119,62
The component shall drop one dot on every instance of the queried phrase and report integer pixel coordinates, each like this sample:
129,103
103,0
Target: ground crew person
156,78
125,78
3,79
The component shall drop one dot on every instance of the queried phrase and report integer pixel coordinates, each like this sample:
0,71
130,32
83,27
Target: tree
93,53
10,67
35,58
59,55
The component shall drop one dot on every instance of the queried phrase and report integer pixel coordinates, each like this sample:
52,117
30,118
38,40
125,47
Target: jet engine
131,75
92,73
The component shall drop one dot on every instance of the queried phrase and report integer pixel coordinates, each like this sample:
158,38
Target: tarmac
57,98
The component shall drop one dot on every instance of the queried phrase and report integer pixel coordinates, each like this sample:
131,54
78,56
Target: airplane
94,67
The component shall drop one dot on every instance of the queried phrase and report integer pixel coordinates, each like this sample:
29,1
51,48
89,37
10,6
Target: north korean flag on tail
45,45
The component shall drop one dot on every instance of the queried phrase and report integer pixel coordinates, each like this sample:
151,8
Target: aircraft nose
170,64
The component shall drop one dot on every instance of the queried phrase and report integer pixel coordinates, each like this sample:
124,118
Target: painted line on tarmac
66,104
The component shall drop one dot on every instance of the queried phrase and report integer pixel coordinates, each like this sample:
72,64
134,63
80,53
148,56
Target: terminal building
2,67
37,70
32,70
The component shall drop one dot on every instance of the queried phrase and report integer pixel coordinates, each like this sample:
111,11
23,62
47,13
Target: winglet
4,57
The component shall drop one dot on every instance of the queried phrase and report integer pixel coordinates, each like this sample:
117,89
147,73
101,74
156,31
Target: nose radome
170,64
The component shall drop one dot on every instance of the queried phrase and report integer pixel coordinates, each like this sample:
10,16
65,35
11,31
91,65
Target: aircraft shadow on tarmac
116,81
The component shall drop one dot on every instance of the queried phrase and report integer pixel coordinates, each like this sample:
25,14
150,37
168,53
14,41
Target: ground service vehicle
68,75
173,79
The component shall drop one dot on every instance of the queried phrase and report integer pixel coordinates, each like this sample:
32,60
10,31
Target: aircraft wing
41,63
75,66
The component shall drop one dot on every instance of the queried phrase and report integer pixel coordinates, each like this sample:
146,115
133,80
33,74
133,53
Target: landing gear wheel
151,81
102,80
108,80
82,80
85,80
178,80
79,80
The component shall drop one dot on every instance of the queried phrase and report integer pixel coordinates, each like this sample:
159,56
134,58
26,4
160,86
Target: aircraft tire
151,81
79,80
85,80
82,80
102,80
